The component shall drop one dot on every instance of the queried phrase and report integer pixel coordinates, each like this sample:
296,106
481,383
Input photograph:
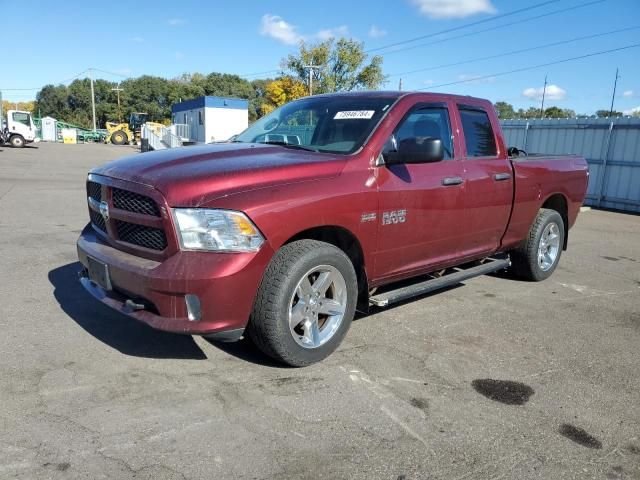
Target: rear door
420,204
489,182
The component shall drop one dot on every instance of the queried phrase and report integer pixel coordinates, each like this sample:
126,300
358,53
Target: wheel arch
346,241
558,202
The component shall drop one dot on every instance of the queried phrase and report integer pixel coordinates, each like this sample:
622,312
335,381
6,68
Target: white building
212,119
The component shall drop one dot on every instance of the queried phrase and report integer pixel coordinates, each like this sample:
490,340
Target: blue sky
59,40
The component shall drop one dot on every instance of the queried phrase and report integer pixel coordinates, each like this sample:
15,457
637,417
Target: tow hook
131,305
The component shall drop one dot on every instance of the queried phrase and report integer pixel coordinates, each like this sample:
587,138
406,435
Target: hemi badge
368,217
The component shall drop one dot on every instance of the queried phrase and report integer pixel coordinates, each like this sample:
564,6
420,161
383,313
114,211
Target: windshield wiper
289,145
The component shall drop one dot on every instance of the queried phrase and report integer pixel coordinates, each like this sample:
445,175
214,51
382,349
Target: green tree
530,113
147,94
556,112
505,110
608,113
343,66
51,101
553,112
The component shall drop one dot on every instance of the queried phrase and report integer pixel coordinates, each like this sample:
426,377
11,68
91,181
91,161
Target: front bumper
225,284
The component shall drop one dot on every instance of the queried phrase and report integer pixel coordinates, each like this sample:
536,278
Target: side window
199,117
21,117
478,134
427,122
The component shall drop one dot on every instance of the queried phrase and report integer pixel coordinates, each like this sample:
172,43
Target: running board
446,280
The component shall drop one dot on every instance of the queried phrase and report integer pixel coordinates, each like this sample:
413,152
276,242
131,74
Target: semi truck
328,205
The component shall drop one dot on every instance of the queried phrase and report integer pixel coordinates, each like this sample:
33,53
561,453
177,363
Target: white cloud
275,27
453,8
137,39
175,22
179,55
278,28
553,92
329,33
376,32
627,93
631,111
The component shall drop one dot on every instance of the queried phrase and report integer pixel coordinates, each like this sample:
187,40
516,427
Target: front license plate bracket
99,273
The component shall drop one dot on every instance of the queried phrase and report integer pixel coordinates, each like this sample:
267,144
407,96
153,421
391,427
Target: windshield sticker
354,114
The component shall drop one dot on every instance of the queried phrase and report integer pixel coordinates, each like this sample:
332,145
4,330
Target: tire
17,141
324,318
536,258
119,137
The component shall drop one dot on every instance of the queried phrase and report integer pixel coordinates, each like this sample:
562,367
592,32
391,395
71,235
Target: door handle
449,181
499,177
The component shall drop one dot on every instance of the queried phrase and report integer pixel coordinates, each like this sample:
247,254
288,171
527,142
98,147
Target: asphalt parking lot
87,393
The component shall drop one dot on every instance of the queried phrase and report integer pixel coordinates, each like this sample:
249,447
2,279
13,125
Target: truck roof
398,94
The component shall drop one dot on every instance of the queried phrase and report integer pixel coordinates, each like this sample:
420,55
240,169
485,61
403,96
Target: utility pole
400,84
1,111
544,91
311,67
118,90
93,99
613,97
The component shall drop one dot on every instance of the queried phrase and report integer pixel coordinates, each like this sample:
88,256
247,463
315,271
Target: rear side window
478,134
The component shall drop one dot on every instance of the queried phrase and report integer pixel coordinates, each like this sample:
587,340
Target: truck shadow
125,334
248,352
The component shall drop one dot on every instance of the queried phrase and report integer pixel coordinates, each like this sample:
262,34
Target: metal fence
611,147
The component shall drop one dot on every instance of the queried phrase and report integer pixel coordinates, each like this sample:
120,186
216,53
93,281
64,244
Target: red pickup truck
329,204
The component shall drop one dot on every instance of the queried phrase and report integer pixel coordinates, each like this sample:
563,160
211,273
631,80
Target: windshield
333,124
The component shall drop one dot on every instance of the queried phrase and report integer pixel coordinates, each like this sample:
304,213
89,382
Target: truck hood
194,176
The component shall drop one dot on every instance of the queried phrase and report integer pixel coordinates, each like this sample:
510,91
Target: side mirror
415,150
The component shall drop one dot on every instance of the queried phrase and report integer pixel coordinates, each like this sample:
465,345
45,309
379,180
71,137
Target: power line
110,73
528,19
256,74
513,52
495,27
38,88
532,67
460,27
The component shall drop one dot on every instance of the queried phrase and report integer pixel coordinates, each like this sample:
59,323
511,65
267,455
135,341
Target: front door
420,204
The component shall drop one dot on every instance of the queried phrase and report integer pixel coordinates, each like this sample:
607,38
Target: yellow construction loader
122,133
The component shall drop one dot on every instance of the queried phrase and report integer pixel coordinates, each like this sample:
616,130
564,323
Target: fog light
193,307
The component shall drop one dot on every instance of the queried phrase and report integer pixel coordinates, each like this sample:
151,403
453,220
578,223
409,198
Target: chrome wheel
549,246
317,306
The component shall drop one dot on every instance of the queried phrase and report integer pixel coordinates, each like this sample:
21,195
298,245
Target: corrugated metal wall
611,147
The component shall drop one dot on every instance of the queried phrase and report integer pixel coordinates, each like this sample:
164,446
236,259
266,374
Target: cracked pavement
87,393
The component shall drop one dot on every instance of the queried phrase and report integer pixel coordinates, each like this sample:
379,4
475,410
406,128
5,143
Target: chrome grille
141,235
134,202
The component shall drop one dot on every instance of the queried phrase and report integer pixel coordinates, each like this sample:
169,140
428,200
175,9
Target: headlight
216,230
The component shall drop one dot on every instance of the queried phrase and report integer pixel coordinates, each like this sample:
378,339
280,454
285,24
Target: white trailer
212,119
